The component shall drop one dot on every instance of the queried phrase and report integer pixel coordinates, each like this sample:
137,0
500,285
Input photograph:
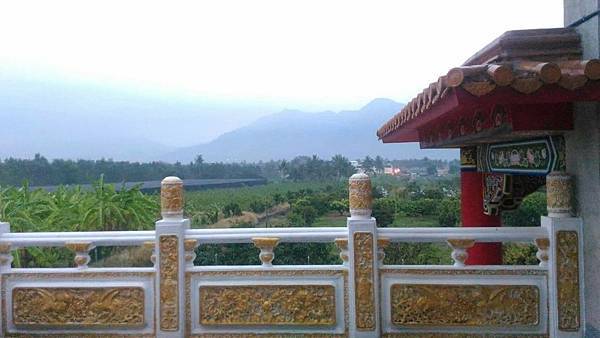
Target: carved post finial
171,198
342,244
559,194
82,253
266,246
459,250
361,198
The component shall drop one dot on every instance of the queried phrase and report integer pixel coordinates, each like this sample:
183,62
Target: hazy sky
252,57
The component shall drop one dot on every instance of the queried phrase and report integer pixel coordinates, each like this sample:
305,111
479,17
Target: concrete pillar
583,161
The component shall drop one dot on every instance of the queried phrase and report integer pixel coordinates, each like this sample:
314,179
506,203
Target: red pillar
471,210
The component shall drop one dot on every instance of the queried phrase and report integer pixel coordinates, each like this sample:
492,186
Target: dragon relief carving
78,307
268,305
464,305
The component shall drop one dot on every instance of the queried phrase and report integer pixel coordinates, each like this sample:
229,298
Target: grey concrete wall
583,160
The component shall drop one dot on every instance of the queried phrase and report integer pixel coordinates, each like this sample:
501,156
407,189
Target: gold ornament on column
171,198
559,193
361,199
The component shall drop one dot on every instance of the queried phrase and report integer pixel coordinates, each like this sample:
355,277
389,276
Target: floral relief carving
267,305
464,305
169,283
78,307
363,281
567,264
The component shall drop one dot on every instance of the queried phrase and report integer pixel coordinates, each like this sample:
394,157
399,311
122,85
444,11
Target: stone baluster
342,245
266,246
151,246
82,253
360,196
459,250
542,245
6,256
382,243
190,246
559,194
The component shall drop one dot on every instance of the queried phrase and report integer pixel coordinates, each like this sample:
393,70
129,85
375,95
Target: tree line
39,171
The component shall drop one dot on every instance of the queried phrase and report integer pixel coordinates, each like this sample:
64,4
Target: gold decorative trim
312,305
468,157
78,307
169,282
465,305
364,281
452,272
567,280
462,335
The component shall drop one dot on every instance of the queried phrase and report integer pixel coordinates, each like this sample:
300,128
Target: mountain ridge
290,133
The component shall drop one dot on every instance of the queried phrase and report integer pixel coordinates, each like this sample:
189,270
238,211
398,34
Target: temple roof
520,67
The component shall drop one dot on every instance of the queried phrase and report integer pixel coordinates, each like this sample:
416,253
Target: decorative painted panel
465,305
78,307
532,157
567,266
364,281
169,283
268,305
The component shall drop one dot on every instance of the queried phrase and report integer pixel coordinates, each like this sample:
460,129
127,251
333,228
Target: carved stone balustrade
342,245
82,253
151,246
382,243
542,245
266,246
190,246
459,250
6,257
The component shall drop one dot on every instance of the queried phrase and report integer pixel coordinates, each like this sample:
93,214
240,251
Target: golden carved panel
567,265
268,305
169,283
78,307
363,281
465,305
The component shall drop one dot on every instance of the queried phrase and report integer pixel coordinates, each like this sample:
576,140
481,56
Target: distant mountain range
291,133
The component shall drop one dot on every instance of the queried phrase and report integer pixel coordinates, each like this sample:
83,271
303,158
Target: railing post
363,260
170,260
565,261
6,257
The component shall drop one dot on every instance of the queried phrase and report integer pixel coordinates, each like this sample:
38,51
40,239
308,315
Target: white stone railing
361,297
